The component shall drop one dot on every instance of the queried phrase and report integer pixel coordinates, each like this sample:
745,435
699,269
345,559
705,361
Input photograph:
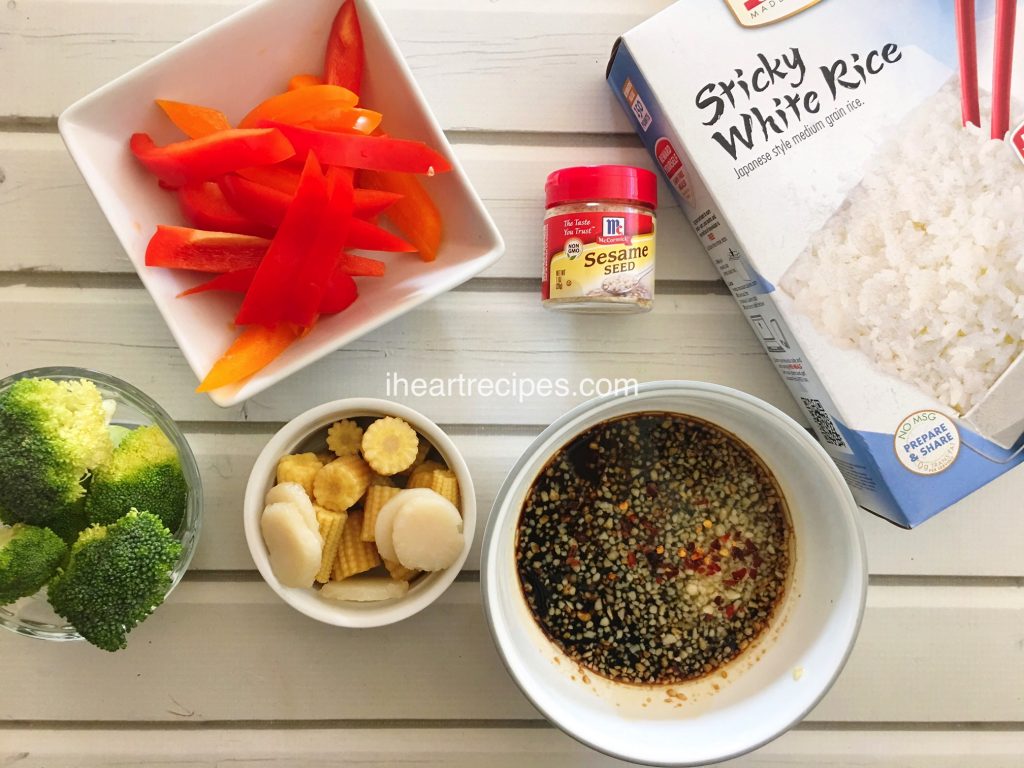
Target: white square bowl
232,66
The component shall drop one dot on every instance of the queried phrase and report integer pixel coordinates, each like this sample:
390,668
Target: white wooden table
227,674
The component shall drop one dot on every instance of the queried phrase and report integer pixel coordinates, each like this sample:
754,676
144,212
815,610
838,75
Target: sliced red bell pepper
205,207
415,214
373,153
360,266
272,288
194,121
279,177
298,105
252,351
348,265
304,81
314,271
211,156
266,203
257,202
230,282
369,237
340,293
343,63
372,202
183,248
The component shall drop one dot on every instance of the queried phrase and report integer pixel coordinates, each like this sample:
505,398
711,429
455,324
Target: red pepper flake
725,538
739,575
631,559
730,611
729,583
753,573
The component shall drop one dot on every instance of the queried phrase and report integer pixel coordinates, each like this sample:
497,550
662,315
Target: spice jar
599,242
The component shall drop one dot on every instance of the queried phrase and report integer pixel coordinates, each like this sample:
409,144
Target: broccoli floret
116,576
29,557
144,472
51,434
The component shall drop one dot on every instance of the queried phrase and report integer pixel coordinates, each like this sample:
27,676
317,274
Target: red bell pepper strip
267,203
298,105
372,202
369,237
360,266
340,293
373,153
252,351
314,271
205,207
343,63
257,202
279,177
194,121
272,288
211,156
304,81
348,265
183,248
415,214
230,282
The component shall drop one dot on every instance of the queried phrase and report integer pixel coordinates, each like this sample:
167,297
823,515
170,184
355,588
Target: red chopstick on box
1002,70
967,37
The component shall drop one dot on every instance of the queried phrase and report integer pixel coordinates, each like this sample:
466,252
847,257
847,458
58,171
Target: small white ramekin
292,438
771,686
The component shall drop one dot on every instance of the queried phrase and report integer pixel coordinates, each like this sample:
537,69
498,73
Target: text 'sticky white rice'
922,268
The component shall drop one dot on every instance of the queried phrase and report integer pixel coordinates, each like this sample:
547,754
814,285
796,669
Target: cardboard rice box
875,243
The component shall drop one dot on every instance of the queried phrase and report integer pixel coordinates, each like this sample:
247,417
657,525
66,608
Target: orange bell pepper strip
342,120
414,214
211,156
255,349
194,121
343,63
296,106
304,81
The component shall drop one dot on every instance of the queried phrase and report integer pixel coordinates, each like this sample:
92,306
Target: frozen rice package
855,169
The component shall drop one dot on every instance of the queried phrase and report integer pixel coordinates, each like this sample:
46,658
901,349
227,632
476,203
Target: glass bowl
32,616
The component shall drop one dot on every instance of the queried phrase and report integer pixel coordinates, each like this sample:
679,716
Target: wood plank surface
52,224
472,747
959,541
234,652
546,60
473,334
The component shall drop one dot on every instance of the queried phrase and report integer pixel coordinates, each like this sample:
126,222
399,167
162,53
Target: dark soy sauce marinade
654,548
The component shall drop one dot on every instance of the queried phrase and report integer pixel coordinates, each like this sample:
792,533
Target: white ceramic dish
295,437
801,654
233,66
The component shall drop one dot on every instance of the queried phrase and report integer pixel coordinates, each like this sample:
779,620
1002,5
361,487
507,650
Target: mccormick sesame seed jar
599,235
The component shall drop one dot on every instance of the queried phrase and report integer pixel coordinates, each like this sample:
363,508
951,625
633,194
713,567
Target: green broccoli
116,576
51,434
29,557
143,472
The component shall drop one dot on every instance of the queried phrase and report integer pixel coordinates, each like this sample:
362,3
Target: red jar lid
602,182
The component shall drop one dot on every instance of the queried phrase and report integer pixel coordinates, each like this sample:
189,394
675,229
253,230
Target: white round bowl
773,684
293,438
